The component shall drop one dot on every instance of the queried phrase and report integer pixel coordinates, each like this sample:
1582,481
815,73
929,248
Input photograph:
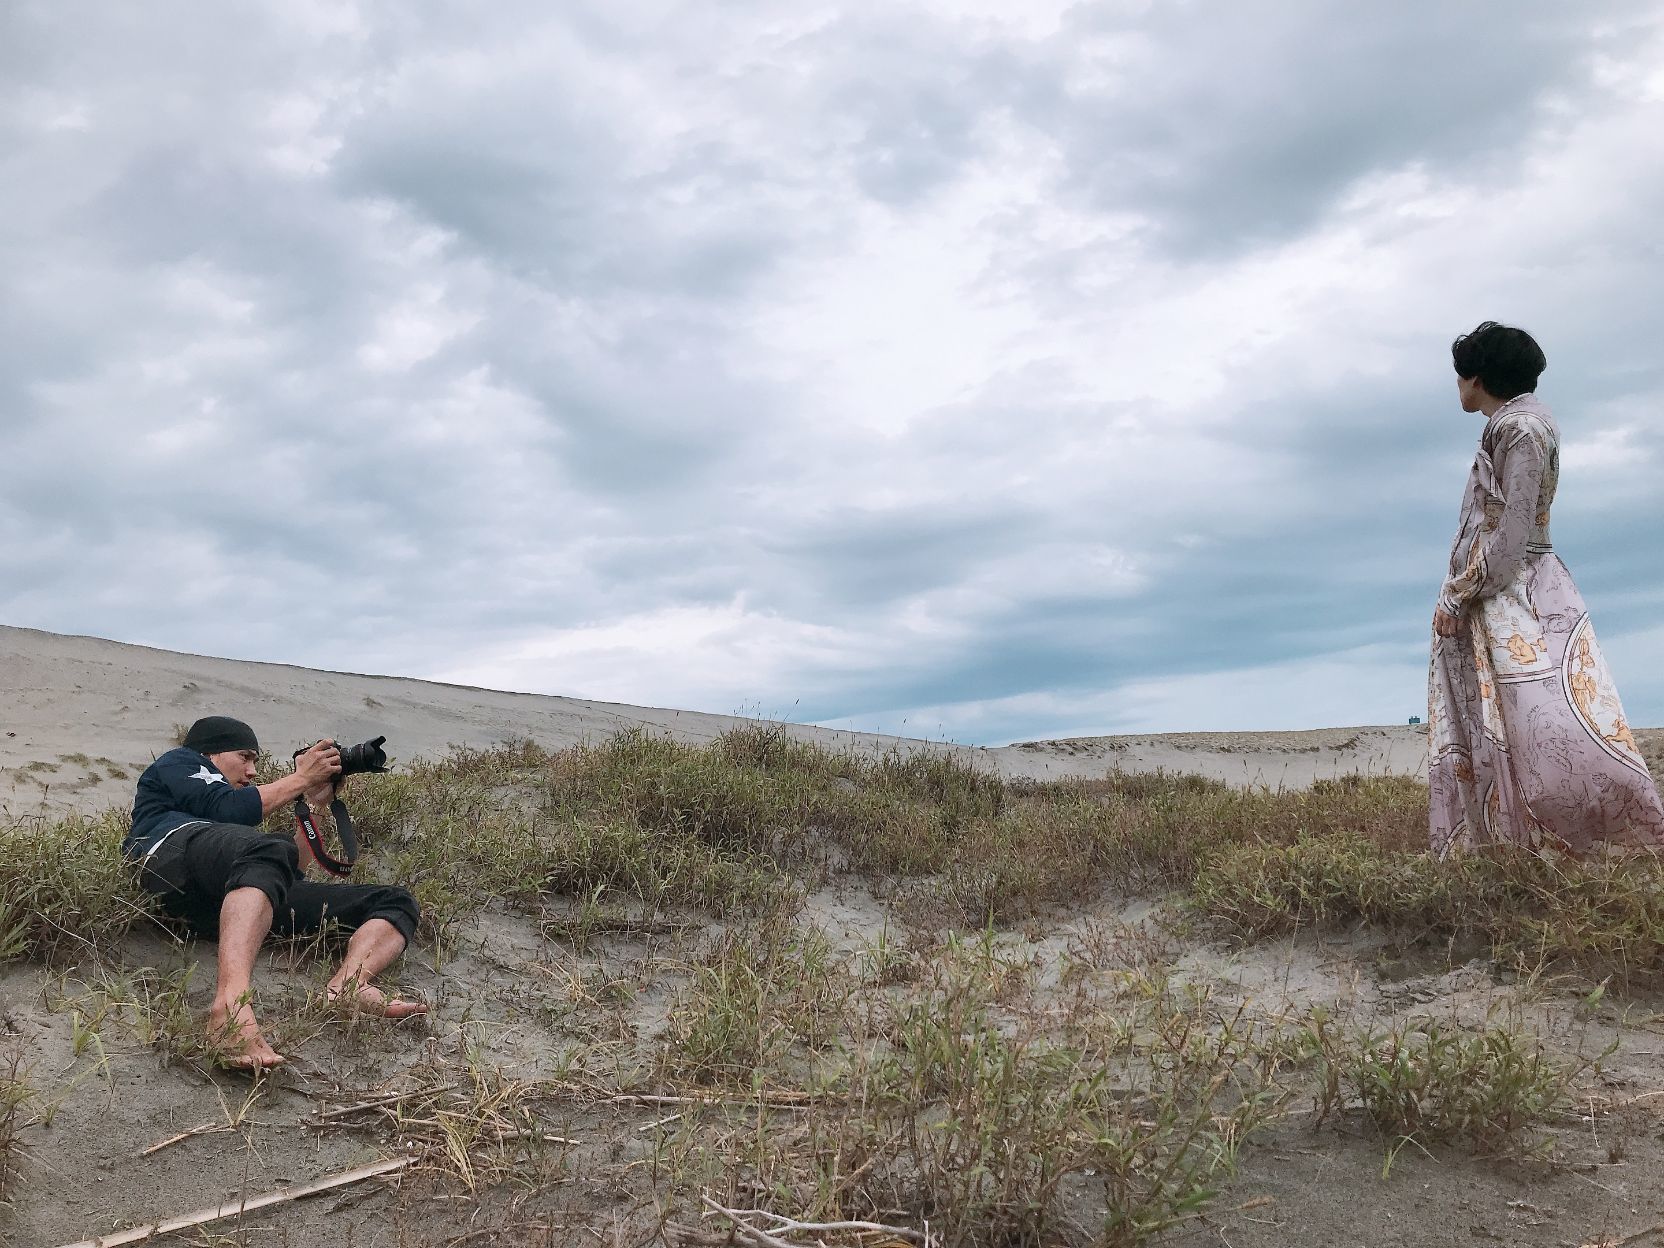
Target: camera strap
341,866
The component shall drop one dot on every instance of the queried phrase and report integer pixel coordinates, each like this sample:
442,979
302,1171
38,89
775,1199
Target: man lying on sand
198,847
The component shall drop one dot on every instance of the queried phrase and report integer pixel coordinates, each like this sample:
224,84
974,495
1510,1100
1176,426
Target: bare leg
245,919
372,949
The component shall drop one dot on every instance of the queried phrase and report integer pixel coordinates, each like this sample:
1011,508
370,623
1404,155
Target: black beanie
214,734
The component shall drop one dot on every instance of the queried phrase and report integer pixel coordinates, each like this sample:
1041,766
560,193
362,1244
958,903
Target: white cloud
675,656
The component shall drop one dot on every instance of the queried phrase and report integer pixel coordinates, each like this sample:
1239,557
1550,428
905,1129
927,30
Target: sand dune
81,716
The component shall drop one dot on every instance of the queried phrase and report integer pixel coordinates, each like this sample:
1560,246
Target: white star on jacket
207,777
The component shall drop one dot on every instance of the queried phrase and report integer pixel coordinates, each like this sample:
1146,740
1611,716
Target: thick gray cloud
997,372
1228,126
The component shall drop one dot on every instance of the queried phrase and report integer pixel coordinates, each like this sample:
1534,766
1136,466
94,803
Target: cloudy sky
986,369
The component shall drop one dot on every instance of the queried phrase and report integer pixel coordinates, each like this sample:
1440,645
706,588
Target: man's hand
318,766
315,771
1444,623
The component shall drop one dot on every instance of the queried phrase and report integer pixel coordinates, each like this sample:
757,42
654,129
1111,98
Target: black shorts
196,866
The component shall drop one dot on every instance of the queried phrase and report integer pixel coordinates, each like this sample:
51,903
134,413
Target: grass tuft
15,1096
767,993
63,887
1606,917
1427,1082
964,1111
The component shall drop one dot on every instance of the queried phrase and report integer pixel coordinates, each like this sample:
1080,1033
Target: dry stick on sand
236,1208
777,1100
771,1237
392,1098
207,1128
1627,1239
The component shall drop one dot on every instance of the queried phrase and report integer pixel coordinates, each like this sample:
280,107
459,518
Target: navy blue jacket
183,787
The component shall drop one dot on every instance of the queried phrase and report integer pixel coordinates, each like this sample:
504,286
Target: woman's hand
1444,623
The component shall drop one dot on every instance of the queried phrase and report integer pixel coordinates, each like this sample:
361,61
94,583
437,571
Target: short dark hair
1506,360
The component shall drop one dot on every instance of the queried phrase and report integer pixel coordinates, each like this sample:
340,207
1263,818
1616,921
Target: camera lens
366,756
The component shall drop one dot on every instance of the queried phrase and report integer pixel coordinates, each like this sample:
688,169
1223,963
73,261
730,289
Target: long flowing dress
1528,743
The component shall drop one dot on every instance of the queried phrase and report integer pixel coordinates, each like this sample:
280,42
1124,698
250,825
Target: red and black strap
341,866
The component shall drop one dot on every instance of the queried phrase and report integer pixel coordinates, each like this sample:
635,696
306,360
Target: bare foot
235,1041
373,1000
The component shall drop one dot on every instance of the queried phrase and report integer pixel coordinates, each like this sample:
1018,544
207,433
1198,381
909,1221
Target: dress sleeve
1520,459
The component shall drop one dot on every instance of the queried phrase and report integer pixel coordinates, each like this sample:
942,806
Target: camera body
366,756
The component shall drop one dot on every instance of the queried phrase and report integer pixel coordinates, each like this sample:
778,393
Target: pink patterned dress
1528,744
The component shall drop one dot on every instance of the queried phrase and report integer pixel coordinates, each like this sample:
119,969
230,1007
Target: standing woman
1528,744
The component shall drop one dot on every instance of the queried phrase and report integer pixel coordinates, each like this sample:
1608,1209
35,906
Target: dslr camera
355,760
366,756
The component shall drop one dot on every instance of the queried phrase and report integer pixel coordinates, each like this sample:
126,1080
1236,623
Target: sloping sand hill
81,716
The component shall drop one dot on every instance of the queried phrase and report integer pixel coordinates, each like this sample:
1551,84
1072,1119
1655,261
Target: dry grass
727,826
1651,742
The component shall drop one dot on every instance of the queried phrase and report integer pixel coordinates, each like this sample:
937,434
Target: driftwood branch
236,1208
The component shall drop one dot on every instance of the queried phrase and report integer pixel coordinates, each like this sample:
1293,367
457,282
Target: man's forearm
281,792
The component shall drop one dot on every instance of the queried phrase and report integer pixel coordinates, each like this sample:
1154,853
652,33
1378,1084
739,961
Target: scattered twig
1601,1106
485,1232
499,1136
236,1208
1627,1239
774,1100
616,927
207,1128
771,1237
392,1098
503,1137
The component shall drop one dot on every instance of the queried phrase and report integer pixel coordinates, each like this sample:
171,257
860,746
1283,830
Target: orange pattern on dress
1585,688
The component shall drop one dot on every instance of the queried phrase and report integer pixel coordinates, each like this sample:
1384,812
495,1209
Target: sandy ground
83,716
509,1000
